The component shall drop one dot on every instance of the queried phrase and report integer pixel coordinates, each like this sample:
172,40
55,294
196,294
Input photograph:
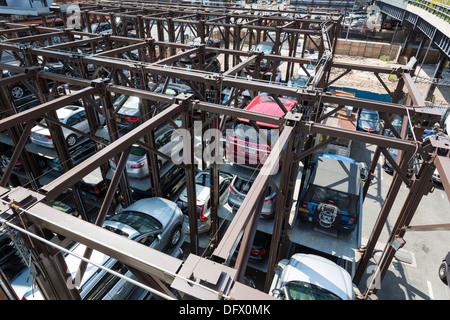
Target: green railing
440,8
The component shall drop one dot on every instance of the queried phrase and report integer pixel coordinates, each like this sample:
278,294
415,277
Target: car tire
442,273
175,237
71,140
17,92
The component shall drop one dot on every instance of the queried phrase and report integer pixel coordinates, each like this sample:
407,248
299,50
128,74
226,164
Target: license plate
118,120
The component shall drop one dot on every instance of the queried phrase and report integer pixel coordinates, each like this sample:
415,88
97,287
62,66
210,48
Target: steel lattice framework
99,67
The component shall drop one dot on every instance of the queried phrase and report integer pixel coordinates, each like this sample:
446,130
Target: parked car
388,167
254,151
173,179
167,141
397,124
6,157
267,47
298,81
128,115
332,196
358,23
78,155
260,247
311,277
100,28
172,89
444,269
194,58
153,222
203,197
368,120
436,178
74,116
239,188
17,89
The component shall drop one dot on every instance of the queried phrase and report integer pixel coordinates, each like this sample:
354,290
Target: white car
311,277
74,116
203,198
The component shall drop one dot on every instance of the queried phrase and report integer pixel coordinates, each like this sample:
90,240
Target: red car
193,58
245,145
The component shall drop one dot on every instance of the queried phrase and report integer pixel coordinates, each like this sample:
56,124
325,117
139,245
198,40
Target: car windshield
141,222
299,290
365,116
264,47
203,180
243,186
131,102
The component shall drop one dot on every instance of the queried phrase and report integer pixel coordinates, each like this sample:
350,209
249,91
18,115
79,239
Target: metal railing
439,8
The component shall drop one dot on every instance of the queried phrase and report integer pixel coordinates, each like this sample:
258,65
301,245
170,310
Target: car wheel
42,163
442,271
17,92
71,140
175,237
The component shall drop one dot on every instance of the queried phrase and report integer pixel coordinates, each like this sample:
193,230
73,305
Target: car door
82,124
224,188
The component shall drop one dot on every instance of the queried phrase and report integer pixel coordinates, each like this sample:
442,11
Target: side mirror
278,293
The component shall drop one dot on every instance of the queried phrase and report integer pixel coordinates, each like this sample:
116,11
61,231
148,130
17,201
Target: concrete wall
367,49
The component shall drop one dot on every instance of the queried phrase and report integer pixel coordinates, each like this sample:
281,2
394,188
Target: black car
444,269
78,155
260,247
6,157
172,179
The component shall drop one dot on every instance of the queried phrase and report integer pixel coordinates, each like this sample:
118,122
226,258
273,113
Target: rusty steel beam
36,112
225,247
66,180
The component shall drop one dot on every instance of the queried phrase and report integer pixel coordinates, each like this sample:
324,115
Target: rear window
203,180
243,186
246,131
137,150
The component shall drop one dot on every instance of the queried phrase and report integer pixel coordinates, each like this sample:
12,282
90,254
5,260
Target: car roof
267,105
66,111
343,177
159,208
321,272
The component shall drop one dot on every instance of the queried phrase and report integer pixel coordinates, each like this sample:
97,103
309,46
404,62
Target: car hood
321,272
202,194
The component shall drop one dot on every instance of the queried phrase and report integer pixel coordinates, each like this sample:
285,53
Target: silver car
154,222
203,204
238,190
73,116
167,142
311,277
